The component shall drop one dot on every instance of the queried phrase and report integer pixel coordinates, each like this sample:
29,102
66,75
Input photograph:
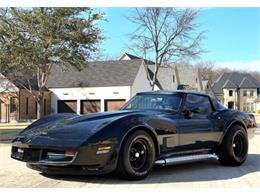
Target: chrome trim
19,144
185,159
55,163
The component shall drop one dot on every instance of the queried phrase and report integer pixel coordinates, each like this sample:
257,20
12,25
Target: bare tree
165,35
207,70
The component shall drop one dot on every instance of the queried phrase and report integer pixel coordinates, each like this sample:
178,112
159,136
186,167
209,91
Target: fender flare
146,128
227,127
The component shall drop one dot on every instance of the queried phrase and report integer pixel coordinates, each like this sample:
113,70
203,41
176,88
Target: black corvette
153,128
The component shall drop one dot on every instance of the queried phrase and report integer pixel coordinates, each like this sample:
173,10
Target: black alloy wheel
239,146
136,156
234,148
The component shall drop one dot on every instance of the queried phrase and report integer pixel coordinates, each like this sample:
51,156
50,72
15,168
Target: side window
202,103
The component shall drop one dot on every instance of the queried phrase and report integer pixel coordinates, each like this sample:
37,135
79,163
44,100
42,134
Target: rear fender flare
229,125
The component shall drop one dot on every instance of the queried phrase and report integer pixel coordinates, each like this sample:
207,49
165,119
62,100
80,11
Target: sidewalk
8,131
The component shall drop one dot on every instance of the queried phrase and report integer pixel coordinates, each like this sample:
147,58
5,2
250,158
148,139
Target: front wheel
234,148
136,156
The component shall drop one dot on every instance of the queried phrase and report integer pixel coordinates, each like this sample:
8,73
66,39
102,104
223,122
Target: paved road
202,174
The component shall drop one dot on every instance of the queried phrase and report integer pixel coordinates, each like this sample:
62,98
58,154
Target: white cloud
253,65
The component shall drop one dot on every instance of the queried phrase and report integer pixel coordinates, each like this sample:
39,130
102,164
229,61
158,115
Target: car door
195,126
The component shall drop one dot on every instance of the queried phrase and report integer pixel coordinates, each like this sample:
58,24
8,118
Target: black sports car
153,128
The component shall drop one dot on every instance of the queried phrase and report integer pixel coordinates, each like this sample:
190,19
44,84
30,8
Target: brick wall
28,106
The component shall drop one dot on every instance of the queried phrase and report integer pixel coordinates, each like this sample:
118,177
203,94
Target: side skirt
185,159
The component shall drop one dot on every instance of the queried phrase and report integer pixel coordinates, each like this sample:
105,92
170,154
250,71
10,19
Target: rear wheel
136,157
234,148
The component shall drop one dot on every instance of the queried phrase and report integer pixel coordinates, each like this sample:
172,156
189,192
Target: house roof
188,76
246,83
18,79
229,85
241,80
164,77
169,77
129,56
96,74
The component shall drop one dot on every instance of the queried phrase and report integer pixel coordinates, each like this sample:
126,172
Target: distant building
101,86
178,77
237,91
257,105
17,104
107,85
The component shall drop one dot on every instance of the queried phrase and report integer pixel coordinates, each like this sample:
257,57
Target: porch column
78,106
102,105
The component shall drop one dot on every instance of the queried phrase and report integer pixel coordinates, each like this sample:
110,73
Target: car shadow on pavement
193,172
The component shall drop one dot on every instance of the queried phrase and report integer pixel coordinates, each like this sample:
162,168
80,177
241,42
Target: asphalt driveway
201,174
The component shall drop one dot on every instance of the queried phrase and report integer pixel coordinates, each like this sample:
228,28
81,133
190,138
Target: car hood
76,127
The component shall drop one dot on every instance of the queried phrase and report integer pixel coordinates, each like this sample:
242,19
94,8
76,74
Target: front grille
32,155
28,154
40,155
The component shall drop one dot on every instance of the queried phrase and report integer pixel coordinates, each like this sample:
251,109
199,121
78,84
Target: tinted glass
198,102
170,102
218,106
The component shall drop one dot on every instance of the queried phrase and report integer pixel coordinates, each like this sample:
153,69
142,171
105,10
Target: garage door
67,106
114,104
89,106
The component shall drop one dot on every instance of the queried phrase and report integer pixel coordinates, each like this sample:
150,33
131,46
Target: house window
245,93
13,105
248,107
173,78
251,92
27,106
230,92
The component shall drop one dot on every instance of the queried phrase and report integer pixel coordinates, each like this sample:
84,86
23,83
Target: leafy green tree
34,40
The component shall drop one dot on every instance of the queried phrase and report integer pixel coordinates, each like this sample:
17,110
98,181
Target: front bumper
71,170
42,156
85,161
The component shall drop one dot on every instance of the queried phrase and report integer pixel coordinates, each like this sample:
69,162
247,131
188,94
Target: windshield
171,102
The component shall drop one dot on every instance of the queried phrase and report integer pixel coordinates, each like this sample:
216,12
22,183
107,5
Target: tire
136,156
234,148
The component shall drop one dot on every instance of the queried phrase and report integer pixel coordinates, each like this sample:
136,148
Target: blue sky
232,35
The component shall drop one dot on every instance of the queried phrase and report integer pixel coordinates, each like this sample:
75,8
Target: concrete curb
7,126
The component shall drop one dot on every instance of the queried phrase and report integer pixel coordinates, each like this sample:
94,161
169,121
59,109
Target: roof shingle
241,80
96,74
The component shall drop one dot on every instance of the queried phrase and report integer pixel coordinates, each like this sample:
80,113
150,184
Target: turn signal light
103,149
70,152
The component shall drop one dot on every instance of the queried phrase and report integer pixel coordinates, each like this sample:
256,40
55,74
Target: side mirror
188,114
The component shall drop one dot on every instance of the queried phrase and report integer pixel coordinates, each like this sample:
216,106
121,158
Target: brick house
17,104
237,91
